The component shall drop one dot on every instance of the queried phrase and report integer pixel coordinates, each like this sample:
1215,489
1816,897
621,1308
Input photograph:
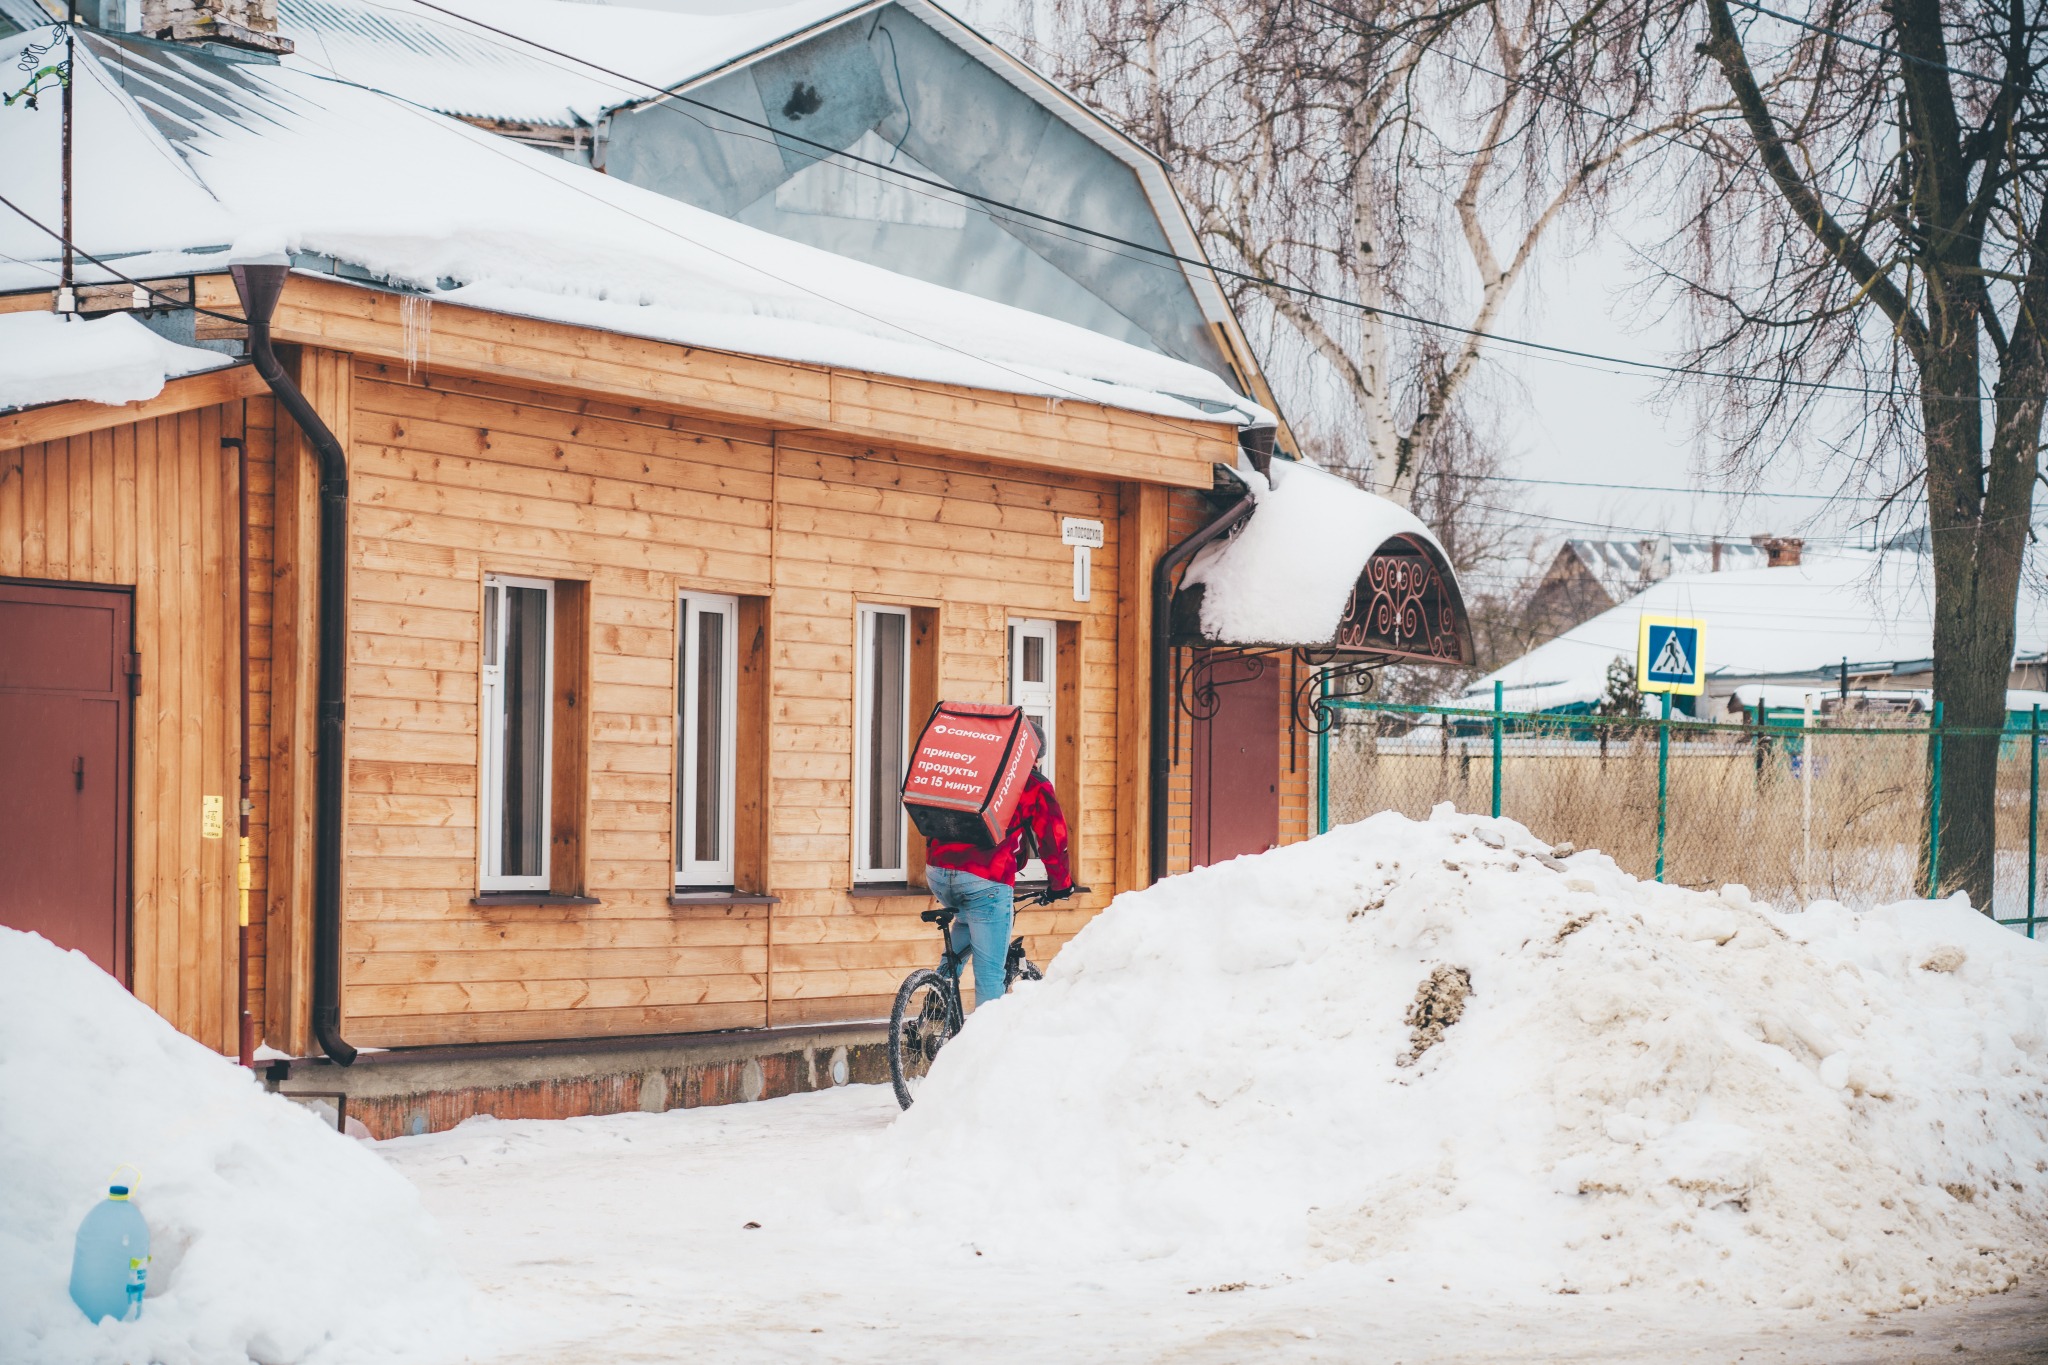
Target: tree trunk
1976,561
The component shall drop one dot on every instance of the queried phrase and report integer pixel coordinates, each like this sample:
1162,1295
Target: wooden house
566,638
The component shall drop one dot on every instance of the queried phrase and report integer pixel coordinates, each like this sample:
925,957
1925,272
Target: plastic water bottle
110,1261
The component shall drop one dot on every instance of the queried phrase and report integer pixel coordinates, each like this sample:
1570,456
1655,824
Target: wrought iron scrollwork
1195,686
1401,603
1319,666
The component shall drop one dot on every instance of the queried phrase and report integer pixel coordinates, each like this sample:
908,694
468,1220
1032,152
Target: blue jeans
983,917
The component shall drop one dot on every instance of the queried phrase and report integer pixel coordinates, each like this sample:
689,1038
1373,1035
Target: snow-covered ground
1412,1091
625,1238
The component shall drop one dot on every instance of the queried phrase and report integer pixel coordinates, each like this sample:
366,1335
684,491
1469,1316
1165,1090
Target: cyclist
979,884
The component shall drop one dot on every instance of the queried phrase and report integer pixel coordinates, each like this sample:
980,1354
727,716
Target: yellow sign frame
1644,683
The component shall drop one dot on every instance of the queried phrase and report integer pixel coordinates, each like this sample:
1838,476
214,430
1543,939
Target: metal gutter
260,284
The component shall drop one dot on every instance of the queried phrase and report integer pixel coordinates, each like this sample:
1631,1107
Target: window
881,735
1034,686
518,697
707,710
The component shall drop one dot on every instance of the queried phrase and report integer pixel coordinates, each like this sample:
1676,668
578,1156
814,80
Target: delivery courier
975,793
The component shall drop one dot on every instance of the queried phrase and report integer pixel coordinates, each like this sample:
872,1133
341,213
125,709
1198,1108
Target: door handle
78,774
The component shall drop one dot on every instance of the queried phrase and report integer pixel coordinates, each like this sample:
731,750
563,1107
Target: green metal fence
1796,806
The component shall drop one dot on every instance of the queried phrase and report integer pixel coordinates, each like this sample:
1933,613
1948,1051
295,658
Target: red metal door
64,768
1236,758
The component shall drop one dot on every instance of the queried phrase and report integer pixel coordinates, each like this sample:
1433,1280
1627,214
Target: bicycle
927,1013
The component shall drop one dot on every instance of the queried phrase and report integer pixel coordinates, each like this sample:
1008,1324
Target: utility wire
1671,138
167,300
1878,48
781,135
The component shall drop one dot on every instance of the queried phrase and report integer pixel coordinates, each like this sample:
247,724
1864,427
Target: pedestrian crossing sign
1668,656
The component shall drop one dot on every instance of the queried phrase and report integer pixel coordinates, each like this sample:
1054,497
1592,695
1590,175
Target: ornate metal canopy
1405,608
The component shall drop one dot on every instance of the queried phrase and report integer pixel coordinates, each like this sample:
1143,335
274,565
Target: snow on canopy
45,358
271,158
1272,1063
1284,578
436,60
1800,618
275,1238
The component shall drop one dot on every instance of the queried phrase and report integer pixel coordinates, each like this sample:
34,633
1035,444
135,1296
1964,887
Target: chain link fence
1836,807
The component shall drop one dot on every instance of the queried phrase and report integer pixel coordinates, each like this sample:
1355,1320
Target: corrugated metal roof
436,60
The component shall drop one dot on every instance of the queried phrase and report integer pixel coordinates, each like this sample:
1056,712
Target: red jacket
1038,810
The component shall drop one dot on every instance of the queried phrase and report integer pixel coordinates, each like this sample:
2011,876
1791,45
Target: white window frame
693,872
491,718
863,726
1040,701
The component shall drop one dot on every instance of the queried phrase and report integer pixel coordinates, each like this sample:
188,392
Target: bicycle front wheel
920,1024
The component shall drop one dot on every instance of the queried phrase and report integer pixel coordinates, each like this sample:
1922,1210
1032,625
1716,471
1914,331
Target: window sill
878,890
721,898
530,898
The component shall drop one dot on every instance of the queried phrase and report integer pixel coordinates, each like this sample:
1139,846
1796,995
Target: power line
1670,138
1878,48
780,136
1657,488
167,300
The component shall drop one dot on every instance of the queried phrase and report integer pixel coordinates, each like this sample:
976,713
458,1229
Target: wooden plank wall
150,505
452,478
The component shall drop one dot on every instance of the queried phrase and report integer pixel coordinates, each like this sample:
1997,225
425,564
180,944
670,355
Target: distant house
1789,629
1591,576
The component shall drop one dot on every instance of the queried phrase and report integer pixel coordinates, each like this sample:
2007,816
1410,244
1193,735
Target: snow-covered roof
1777,695
438,62
1623,567
1760,622
45,358
1287,576
183,162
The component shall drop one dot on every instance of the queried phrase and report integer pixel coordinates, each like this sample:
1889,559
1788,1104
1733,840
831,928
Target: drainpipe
260,283
1162,666
248,1023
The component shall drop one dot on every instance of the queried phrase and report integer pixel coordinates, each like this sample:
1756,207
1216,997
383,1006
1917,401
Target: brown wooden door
64,768
1236,759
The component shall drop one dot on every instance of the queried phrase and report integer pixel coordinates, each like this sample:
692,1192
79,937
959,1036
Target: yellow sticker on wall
212,819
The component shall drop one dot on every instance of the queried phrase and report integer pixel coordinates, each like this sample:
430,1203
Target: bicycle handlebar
944,913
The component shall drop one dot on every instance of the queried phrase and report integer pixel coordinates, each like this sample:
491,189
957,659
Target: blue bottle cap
117,1191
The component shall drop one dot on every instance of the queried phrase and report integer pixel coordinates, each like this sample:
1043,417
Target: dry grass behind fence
1738,802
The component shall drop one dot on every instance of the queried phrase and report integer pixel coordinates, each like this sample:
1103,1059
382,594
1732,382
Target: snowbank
275,1238
45,358
1285,577
1647,1088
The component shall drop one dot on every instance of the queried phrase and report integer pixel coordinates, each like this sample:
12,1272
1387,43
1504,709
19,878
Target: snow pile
45,358
1646,1087
1285,577
275,1238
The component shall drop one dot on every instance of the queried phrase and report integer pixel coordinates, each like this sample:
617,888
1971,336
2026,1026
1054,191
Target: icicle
416,316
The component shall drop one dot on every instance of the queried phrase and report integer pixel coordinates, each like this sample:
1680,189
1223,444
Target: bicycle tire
920,1023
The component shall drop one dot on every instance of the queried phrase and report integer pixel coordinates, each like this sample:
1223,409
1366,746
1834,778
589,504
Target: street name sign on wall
1086,538
1668,655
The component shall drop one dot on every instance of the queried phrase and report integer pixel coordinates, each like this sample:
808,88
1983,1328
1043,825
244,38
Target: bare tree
1866,256
1394,156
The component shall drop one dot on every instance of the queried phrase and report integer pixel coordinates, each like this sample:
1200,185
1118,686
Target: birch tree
1394,156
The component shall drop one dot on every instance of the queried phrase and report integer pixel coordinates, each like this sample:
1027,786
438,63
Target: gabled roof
1624,567
739,125
180,157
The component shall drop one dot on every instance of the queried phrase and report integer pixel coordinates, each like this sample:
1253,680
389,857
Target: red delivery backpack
968,772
